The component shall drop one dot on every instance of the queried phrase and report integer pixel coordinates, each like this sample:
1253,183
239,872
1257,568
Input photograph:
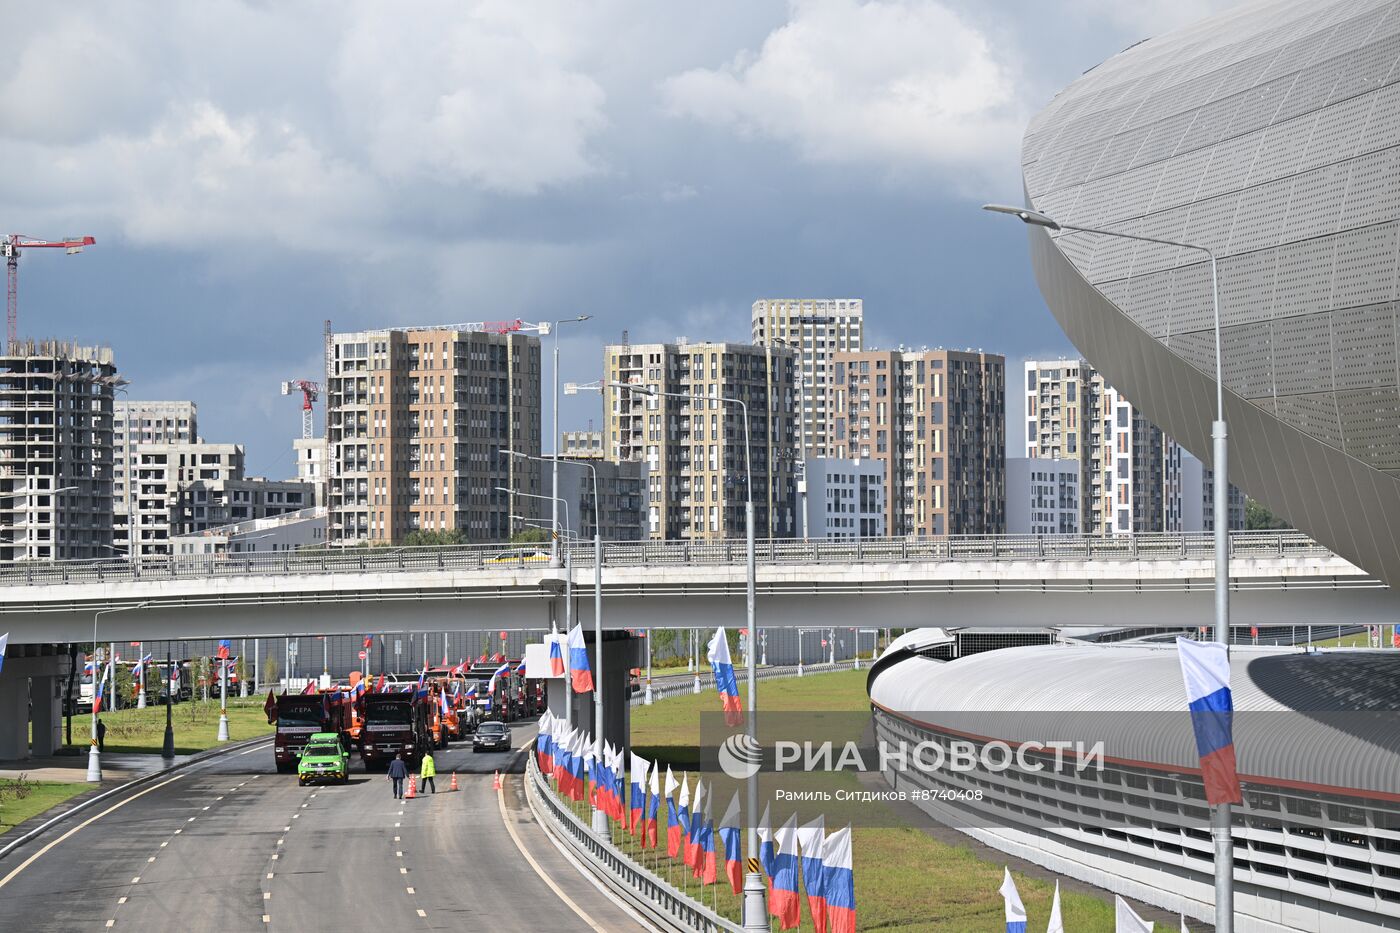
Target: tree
199,670
433,538
529,536
240,670
270,671
1259,518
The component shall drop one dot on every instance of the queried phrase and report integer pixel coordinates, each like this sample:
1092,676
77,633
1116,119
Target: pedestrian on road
427,771
397,772
101,735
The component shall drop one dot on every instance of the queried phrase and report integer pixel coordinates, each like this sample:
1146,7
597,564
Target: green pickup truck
323,759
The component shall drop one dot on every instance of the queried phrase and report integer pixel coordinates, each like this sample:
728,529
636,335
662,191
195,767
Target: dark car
492,736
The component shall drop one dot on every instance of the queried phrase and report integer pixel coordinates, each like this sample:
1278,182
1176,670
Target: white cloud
893,83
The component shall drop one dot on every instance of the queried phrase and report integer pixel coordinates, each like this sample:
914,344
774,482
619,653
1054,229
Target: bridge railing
726,552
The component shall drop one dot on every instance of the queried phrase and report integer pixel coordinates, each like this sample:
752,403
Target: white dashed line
269,874
398,855
121,900
150,860
111,922
396,838
422,912
256,749
218,798
204,808
267,895
296,816
178,831
403,871
397,825
191,819
286,829
164,844
266,919
136,880
274,856
410,890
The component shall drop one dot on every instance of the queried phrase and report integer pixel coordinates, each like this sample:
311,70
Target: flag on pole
653,805
520,668
1125,920
810,839
369,640
98,692
765,843
223,649
590,770
673,820
4,643
697,821
1057,923
730,829
1205,667
1015,910
636,800
556,656
725,683
495,675
619,782
838,882
379,684
542,742
579,670
676,832
784,903
705,850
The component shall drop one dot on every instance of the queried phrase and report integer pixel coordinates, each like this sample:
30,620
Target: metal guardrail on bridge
728,552
641,889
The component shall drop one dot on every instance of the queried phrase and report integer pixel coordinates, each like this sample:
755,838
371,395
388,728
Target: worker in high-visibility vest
427,771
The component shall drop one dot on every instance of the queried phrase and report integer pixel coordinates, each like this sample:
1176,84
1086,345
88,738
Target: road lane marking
92,819
136,880
121,900
398,855
112,921
422,912
204,808
279,842
266,919
191,819
296,816
257,749
514,837
179,831
410,890
274,856
150,860
396,838
286,829
267,895
165,843
403,871
218,798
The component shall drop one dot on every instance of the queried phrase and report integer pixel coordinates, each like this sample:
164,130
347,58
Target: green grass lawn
21,799
1352,640
196,725
905,879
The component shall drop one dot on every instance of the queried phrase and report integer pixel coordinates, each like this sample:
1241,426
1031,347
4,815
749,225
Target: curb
196,758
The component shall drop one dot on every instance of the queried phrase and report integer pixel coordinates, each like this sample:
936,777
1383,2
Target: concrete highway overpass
1004,581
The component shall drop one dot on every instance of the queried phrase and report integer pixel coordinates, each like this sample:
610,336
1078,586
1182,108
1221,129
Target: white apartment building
138,422
285,532
311,464
1042,496
816,328
842,498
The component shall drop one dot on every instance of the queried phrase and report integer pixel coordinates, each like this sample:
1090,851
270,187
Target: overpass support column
47,716
14,716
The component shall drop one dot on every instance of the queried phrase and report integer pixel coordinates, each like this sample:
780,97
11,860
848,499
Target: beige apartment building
416,419
817,329
56,451
936,419
693,447
143,422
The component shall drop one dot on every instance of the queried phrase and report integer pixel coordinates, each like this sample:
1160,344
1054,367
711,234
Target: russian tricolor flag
576,760
697,822
730,830
1205,666
1015,910
636,800
839,882
725,682
673,819
619,776
765,844
677,831
704,867
579,671
784,903
542,754
556,656
810,839
653,806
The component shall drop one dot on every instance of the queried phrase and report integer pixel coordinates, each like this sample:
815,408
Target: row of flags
572,645
630,792
1125,919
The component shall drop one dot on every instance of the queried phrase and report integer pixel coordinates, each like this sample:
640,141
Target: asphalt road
231,845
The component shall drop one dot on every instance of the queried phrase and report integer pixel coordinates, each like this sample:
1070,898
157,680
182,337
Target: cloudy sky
251,169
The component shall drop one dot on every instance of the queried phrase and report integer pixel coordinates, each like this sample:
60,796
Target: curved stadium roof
1317,720
1271,135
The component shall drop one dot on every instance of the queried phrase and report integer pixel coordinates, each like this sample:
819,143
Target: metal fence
729,552
643,890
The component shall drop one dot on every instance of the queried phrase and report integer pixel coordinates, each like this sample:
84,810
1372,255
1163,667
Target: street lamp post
94,771
755,913
1220,814
554,545
599,818
167,749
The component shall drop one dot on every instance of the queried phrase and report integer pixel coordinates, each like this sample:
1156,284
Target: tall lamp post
755,912
94,771
554,545
1220,813
599,818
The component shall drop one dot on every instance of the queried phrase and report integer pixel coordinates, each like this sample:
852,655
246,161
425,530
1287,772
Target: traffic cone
454,781
412,788
496,784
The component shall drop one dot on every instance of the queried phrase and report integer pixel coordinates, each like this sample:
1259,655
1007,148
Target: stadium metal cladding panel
1271,136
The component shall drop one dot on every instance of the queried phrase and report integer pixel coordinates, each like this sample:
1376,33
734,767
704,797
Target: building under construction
56,451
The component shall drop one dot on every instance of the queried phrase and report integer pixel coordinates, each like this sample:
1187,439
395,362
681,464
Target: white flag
1015,910
1125,921
1057,924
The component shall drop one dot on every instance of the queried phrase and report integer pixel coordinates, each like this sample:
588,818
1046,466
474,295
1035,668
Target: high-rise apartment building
1130,473
56,451
937,420
844,499
137,422
582,445
817,329
693,446
311,464
1042,496
416,419
622,489
161,471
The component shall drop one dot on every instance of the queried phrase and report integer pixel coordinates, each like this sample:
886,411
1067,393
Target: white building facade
842,498
1042,496
816,328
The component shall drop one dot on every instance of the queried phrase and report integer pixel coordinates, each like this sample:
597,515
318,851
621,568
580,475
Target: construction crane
310,391
12,246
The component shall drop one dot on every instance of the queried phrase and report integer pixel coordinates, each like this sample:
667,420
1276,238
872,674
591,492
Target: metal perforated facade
1270,135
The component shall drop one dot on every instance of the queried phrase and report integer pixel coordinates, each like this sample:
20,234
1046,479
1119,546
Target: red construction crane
309,393
12,246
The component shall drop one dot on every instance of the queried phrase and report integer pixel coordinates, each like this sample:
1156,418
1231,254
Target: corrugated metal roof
1325,718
